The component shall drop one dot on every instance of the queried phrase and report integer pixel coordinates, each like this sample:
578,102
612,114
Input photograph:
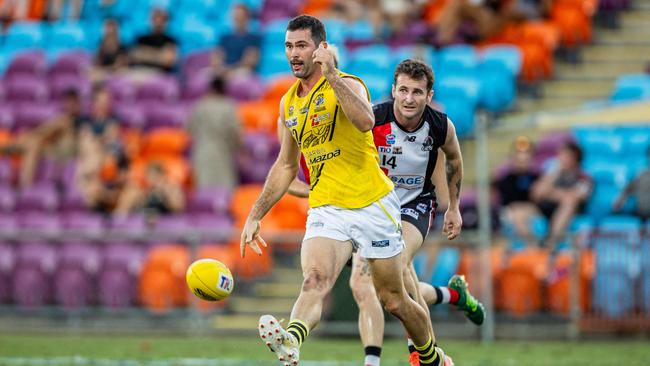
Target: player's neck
407,124
307,84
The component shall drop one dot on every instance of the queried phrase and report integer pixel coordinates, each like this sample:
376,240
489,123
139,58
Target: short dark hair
70,93
575,149
218,85
416,70
316,27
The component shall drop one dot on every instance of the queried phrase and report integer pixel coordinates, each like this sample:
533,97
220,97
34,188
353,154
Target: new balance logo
380,243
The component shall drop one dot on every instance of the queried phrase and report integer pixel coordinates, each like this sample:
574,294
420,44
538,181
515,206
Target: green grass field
215,351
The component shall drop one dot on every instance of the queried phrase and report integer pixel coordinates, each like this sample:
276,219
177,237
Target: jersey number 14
389,161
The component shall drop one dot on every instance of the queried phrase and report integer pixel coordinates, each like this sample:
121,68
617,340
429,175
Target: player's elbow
365,124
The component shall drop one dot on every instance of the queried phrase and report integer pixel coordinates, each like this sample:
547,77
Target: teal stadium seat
360,30
459,96
67,36
23,36
445,267
631,87
457,60
498,72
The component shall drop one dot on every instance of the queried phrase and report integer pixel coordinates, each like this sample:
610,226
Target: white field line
85,361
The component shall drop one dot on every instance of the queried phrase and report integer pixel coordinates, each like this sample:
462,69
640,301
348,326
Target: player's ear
323,44
429,96
392,91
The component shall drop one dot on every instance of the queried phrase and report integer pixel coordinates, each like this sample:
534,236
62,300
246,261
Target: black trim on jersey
384,113
304,123
336,110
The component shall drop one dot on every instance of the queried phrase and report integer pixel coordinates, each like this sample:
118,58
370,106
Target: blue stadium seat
457,60
193,34
423,53
459,95
445,267
461,112
610,173
501,58
274,32
631,87
373,59
601,143
602,199
67,36
498,90
627,224
336,30
21,36
212,9
420,264
273,62
636,139
359,31
378,85
581,223
613,284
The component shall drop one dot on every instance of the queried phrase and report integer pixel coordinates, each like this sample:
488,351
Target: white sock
371,361
446,296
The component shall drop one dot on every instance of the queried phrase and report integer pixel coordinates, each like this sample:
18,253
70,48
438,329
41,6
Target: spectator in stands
514,189
111,55
157,50
485,16
11,10
215,130
102,163
160,195
562,192
640,189
238,51
55,138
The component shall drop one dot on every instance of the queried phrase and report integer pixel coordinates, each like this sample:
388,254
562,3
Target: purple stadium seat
30,63
196,86
73,283
255,162
212,227
548,145
35,262
161,89
7,199
86,224
130,115
170,228
6,116
47,172
7,264
6,171
196,62
245,87
26,89
39,197
2,92
39,223
75,63
8,224
209,200
164,115
132,226
122,90
30,115
72,200
117,279
60,83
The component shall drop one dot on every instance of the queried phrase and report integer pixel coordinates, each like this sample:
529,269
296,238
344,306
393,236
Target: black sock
372,351
438,295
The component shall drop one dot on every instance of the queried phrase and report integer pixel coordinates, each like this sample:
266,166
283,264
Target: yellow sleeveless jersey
343,162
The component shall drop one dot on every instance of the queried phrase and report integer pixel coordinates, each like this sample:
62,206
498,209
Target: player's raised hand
251,236
325,58
452,224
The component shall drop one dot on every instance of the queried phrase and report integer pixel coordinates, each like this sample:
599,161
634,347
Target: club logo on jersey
410,212
304,110
427,145
291,111
380,243
316,119
390,150
422,207
291,122
410,138
390,139
319,101
407,181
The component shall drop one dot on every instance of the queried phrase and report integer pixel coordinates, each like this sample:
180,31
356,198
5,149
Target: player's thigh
412,241
387,274
322,258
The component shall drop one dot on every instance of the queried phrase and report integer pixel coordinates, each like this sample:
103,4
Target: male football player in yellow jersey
328,117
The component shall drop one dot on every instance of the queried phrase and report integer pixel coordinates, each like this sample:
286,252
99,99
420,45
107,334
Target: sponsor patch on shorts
410,212
422,207
316,224
380,243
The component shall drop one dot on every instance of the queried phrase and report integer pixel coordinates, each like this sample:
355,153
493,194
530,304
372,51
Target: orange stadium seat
164,142
242,200
316,7
433,10
557,290
132,140
518,287
177,168
161,285
574,25
470,266
254,266
277,89
259,115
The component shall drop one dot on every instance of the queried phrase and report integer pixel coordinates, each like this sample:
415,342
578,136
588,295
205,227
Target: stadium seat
22,36
196,86
558,282
121,263
273,61
196,62
446,266
379,86
6,120
609,173
87,224
360,30
161,285
244,87
257,158
194,34
459,96
67,36
122,89
42,198
518,285
214,200
165,142
277,88
177,169
423,53
159,89
7,198
259,116
26,89
636,140
74,281
212,227
40,223
161,114
71,63
130,115
574,25
601,143
61,83
631,87
369,60
601,200
131,226
35,263
457,60
28,63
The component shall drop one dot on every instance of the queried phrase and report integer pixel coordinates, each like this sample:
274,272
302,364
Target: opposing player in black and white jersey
408,134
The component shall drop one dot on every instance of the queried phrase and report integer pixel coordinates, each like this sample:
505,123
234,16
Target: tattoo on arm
454,177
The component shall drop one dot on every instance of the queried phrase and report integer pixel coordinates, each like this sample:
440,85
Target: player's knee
391,300
362,290
316,281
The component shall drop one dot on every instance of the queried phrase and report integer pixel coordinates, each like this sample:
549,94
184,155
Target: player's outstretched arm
277,183
350,93
297,187
454,168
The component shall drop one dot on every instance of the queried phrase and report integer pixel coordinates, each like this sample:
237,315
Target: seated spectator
640,189
238,51
102,163
215,130
514,189
55,139
157,50
561,193
11,10
112,54
486,17
160,195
